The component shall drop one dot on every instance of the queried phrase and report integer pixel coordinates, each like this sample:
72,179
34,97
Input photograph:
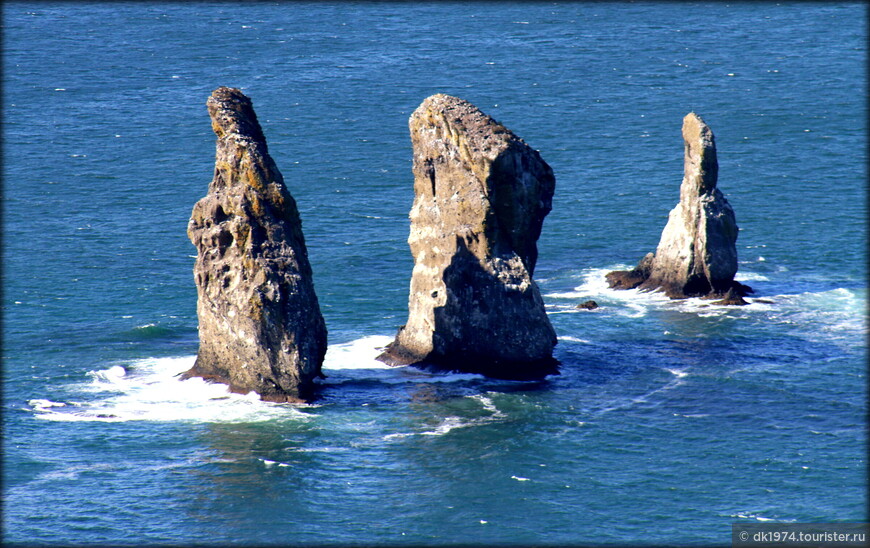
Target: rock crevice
481,195
260,326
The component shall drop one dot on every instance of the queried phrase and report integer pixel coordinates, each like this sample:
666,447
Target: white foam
748,515
488,404
438,377
644,398
268,463
634,303
519,478
150,390
44,404
595,281
358,354
750,277
447,424
111,376
451,423
357,360
836,314
572,339
565,295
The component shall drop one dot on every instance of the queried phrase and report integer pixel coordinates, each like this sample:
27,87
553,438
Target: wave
357,354
744,277
829,313
569,338
834,315
152,331
453,422
357,360
621,403
758,517
149,390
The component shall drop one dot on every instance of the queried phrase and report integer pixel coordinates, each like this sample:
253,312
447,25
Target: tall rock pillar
480,198
260,326
697,253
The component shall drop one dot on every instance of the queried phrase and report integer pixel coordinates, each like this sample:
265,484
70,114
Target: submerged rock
260,326
480,198
587,305
697,252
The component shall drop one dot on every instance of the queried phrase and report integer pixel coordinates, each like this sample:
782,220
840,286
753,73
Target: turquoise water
670,420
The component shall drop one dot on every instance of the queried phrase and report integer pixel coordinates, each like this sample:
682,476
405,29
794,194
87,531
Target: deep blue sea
670,420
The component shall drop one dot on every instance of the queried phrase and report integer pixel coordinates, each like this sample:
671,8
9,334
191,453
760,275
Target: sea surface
670,420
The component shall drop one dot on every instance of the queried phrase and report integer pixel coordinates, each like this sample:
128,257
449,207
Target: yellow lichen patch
249,264
226,171
243,232
276,197
196,215
257,204
256,306
254,180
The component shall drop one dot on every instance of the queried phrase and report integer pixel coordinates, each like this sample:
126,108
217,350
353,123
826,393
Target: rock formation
697,253
480,198
260,327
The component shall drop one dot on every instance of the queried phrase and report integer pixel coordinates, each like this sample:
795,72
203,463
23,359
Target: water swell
149,390
828,313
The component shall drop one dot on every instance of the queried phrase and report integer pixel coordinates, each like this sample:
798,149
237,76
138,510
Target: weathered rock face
481,195
697,253
260,326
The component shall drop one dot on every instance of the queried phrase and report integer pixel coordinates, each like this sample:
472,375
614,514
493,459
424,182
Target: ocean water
670,420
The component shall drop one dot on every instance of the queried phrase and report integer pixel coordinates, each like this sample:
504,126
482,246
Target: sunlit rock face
480,198
260,326
697,253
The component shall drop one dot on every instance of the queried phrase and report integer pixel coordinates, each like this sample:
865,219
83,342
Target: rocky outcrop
697,253
733,298
480,198
260,326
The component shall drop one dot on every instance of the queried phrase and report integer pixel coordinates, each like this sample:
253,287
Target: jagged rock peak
480,198
700,164
232,114
260,326
697,253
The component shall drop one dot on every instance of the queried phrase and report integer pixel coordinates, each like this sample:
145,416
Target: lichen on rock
697,253
480,198
260,326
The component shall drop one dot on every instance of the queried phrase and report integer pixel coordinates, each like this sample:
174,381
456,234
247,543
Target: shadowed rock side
697,253
260,327
480,198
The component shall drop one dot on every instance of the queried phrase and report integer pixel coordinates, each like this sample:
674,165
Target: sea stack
480,198
260,326
697,253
